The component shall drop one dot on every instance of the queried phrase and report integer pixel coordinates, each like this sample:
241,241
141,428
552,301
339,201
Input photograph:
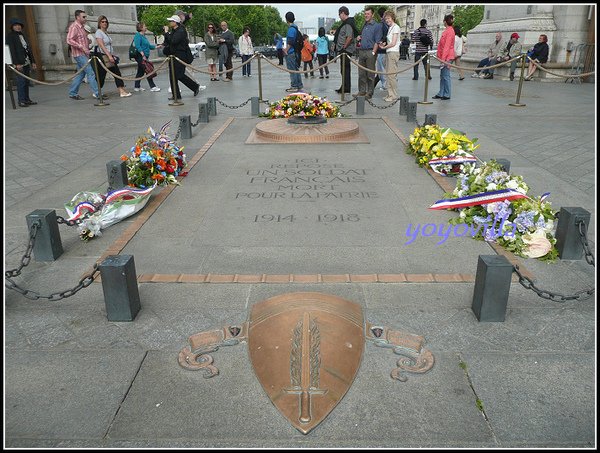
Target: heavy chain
589,257
232,106
344,104
35,226
33,295
527,283
178,132
381,107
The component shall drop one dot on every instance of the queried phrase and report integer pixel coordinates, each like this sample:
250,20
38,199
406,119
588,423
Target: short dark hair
289,17
369,8
79,12
449,19
344,9
423,22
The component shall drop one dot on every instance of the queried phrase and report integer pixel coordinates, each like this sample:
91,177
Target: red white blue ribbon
482,198
80,209
452,159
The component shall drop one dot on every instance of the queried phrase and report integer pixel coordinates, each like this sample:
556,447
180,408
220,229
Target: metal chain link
381,107
527,283
589,257
344,104
35,226
178,132
232,106
86,281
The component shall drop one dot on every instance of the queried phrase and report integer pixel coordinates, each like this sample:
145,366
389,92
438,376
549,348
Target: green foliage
479,404
463,365
467,17
263,21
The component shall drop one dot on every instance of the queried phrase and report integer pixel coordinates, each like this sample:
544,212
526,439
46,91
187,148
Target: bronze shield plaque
306,349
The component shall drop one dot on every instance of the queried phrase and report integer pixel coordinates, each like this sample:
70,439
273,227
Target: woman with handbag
142,58
105,51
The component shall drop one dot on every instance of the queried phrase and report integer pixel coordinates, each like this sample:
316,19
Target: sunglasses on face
104,22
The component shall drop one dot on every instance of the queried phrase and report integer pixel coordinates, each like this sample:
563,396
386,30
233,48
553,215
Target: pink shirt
78,40
445,50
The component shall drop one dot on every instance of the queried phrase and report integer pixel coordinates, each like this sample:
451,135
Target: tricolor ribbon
127,193
80,209
482,198
451,160
544,196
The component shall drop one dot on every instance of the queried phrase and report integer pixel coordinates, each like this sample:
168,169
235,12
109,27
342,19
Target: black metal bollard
411,112
254,106
360,105
117,174
403,105
212,106
203,112
505,164
48,245
568,242
430,119
185,126
492,285
119,283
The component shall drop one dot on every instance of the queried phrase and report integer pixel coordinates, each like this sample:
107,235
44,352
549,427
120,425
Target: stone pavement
205,254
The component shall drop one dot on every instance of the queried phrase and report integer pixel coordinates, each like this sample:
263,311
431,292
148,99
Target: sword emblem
305,362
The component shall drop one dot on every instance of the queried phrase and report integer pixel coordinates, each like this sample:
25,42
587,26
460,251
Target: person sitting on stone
493,52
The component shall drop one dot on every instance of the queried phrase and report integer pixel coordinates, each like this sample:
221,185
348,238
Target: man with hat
177,44
22,58
513,49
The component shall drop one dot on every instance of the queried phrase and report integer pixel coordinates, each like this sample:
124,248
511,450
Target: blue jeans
89,71
292,65
247,66
23,84
444,82
381,68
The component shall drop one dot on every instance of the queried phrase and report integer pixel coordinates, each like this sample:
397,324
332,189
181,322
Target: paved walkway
74,379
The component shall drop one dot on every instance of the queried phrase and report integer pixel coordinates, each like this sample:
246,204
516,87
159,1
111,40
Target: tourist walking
80,51
212,51
106,52
344,41
423,40
539,54
459,49
381,63
278,39
227,39
445,53
367,54
291,50
176,43
307,57
246,51
392,49
322,52
143,47
22,59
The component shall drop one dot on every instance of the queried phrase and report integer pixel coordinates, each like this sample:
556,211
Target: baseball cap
174,18
515,35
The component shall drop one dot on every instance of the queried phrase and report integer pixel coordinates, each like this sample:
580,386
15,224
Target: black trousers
180,76
140,72
101,76
416,68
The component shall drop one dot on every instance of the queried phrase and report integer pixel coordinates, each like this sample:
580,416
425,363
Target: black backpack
298,44
132,51
425,39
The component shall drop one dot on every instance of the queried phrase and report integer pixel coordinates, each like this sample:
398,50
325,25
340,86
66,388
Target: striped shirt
78,40
416,38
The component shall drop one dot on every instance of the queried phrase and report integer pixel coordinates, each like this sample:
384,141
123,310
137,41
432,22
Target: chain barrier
35,226
527,283
26,259
384,106
178,132
233,106
589,257
85,281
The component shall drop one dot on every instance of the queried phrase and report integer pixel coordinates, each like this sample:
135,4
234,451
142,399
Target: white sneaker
474,75
139,89
169,89
155,89
482,75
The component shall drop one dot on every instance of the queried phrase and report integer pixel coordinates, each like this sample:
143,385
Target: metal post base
492,285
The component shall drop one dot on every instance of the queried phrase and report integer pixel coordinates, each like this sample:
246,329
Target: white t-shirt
393,30
100,35
458,46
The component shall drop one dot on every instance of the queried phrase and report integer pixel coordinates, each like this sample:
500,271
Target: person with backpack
293,52
423,40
